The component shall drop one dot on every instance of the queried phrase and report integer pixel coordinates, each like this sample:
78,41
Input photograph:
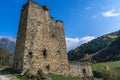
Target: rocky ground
4,75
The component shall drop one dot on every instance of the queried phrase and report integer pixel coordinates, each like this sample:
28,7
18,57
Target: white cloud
11,39
110,13
73,43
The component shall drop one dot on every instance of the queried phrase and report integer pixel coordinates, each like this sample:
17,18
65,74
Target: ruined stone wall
20,43
41,45
78,69
41,42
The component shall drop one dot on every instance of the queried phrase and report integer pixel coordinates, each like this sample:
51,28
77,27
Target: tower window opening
16,65
53,35
31,43
45,53
45,8
84,71
30,54
48,67
58,51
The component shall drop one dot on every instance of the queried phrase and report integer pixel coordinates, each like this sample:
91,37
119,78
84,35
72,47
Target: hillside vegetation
111,53
114,64
7,47
5,57
55,77
107,70
94,47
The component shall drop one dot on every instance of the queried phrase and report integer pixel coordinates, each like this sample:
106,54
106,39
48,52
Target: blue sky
83,19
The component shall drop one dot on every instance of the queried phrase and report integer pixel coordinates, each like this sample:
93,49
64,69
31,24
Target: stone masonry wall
83,70
40,42
20,43
41,45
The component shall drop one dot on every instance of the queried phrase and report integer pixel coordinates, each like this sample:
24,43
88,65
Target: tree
87,57
5,57
109,73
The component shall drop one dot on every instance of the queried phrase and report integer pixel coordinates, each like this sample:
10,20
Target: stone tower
40,42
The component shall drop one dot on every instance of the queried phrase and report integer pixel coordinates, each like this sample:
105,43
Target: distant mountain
93,47
7,43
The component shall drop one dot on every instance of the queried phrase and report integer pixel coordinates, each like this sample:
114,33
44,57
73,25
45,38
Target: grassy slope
97,79
111,64
22,77
55,77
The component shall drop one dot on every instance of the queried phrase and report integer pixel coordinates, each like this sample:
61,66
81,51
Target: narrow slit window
16,64
31,43
45,53
53,35
58,51
84,71
30,54
48,67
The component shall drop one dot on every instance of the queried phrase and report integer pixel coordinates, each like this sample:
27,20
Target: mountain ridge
93,46
7,43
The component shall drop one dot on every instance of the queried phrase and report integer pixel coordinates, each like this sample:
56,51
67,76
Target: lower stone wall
82,70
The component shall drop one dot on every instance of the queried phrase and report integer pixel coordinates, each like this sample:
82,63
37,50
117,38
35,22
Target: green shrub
60,77
22,77
40,73
109,73
5,57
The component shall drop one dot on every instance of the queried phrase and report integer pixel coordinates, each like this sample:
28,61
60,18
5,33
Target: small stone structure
41,44
82,70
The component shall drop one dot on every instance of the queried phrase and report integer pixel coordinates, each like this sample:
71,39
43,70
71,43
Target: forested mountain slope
93,46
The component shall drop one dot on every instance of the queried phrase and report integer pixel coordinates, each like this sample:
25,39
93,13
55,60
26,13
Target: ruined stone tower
40,42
